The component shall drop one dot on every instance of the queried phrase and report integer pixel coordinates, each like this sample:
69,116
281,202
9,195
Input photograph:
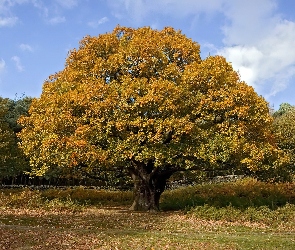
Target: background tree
284,130
284,108
12,161
15,109
142,102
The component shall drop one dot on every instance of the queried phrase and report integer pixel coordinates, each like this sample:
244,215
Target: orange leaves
147,95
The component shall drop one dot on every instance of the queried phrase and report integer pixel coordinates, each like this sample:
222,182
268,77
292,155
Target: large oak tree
144,103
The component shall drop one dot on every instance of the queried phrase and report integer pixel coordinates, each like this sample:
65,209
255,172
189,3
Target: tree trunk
148,188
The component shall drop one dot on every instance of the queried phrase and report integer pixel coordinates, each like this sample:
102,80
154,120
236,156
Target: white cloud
6,4
258,42
57,20
67,3
8,21
26,47
247,60
41,7
50,13
2,68
7,18
260,47
95,24
13,2
248,21
138,10
18,63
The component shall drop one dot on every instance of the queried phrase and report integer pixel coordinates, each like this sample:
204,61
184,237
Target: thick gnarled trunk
148,187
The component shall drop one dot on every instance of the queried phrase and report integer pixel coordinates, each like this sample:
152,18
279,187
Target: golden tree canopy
143,98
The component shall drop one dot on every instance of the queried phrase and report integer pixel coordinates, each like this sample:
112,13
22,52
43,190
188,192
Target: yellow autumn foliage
145,96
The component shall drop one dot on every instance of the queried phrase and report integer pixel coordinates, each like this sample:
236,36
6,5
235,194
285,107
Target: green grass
118,228
93,219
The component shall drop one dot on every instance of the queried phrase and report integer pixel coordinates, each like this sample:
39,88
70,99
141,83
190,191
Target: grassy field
57,220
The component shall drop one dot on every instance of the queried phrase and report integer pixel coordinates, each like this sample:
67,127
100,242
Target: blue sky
256,36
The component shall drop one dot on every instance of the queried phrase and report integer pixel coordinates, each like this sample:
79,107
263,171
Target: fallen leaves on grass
112,228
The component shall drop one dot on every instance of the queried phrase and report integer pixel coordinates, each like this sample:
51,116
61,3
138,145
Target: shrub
262,214
91,196
241,194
